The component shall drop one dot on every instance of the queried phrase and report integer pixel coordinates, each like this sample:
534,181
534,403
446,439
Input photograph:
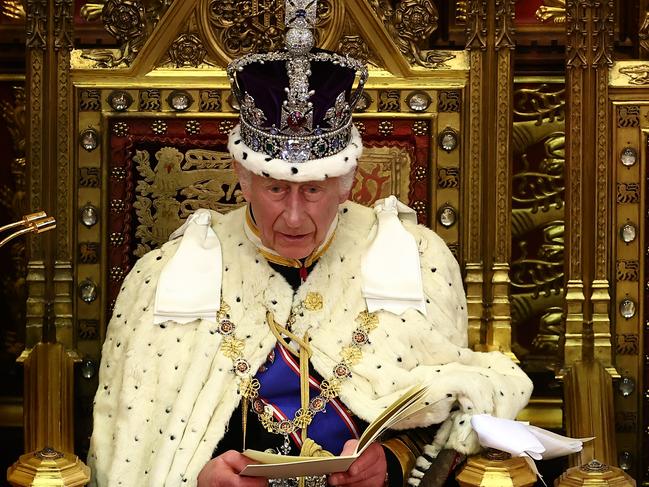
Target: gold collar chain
350,354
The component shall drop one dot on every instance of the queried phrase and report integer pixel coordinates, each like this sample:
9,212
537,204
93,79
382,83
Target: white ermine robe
166,392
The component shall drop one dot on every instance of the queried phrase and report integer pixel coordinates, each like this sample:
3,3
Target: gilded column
49,42
576,220
589,48
587,355
37,140
63,173
476,45
500,152
49,366
600,297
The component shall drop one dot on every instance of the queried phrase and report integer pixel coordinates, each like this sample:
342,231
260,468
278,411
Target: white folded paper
390,269
521,439
189,287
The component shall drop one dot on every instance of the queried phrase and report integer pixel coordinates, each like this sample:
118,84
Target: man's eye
312,189
276,189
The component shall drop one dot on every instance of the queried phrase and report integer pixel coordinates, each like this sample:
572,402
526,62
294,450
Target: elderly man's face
293,218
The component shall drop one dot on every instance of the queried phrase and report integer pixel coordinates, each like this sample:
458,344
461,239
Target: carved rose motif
123,19
187,50
416,19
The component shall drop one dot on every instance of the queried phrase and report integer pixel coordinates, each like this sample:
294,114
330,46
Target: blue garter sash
280,389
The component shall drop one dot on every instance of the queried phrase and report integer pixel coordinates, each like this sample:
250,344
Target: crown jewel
304,120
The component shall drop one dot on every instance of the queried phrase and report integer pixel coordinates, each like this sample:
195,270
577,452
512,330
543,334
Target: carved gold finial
552,11
594,473
12,9
48,467
495,468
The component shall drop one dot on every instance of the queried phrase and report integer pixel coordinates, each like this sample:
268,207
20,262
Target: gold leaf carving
130,22
12,9
552,11
411,23
638,75
234,28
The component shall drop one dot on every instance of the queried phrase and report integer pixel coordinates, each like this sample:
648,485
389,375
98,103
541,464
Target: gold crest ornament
313,301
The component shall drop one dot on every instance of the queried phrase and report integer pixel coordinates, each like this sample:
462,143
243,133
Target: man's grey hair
345,182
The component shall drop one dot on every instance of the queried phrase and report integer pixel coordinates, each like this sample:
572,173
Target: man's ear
244,179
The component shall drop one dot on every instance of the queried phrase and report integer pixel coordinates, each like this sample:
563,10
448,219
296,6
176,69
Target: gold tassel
311,449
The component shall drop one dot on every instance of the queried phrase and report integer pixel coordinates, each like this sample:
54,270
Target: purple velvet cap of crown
266,83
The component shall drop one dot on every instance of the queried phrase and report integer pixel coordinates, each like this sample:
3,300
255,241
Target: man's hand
367,471
223,471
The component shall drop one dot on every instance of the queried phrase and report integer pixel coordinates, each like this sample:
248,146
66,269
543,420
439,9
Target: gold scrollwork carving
354,46
130,23
36,37
552,11
603,49
187,50
589,44
12,9
461,11
538,192
476,29
411,23
638,75
232,29
63,24
505,24
542,103
577,36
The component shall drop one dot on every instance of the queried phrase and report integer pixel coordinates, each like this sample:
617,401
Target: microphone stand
48,370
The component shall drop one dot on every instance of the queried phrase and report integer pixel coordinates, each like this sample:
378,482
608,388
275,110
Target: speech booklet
274,466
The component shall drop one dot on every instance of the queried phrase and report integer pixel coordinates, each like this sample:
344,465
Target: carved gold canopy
520,162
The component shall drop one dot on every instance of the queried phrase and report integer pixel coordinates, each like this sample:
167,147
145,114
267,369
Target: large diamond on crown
296,150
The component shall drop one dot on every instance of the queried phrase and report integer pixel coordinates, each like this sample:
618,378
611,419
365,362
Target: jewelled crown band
296,105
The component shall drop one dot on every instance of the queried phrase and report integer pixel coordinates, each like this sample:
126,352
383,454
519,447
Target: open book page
281,466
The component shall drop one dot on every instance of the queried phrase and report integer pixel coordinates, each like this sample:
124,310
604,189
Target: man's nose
294,211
